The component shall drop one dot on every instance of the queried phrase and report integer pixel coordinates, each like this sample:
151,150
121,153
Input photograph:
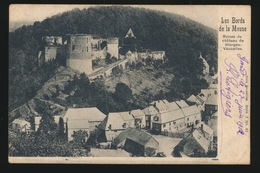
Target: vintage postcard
129,84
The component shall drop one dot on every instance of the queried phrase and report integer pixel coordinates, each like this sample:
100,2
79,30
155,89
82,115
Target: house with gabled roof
160,105
84,119
21,125
149,112
136,142
206,130
139,118
194,145
111,126
198,100
192,115
128,118
211,105
171,121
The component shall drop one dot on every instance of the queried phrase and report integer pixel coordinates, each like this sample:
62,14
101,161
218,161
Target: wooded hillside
181,38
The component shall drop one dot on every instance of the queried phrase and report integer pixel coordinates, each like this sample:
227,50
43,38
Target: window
164,125
87,48
156,118
169,123
73,47
187,119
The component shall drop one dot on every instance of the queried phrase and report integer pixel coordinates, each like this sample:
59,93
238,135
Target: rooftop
206,128
172,106
160,105
192,98
90,114
112,121
171,116
20,122
150,110
190,110
202,141
137,113
126,116
212,100
137,136
182,104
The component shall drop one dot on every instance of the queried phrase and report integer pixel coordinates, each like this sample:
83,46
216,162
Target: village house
213,124
171,121
84,119
160,105
149,112
172,116
139,118
129,120
212,79
205,130
192,115
197,100
112,126
21,125
136,142
211,105
196,144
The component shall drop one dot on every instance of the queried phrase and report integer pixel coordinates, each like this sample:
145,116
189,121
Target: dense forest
181,38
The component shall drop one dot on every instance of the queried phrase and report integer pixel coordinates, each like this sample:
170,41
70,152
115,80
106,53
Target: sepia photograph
131,82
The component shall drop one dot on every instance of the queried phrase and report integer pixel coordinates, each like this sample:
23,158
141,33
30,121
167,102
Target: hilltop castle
80,50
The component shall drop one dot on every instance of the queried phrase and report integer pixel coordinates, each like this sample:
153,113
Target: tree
61,128
80,138
108,58
117,70
123,93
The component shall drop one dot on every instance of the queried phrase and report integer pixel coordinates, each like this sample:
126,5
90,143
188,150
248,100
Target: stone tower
78,51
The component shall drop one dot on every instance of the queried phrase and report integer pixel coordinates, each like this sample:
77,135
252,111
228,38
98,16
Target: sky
206,14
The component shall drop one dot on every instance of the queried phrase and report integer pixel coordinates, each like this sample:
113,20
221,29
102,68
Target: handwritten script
233,89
